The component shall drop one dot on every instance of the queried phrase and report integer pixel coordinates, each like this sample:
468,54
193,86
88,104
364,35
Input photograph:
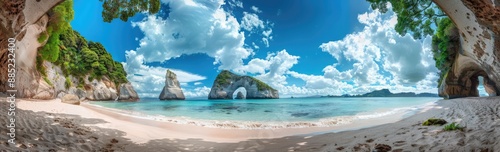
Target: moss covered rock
434,121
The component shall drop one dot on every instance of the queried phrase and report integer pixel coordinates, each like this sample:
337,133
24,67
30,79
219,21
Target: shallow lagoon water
327,111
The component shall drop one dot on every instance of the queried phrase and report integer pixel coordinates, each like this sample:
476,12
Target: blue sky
301,48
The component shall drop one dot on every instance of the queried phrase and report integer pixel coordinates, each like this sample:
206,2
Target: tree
90,58
415,16
59,19
124,9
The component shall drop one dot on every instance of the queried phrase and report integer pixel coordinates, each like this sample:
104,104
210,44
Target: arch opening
480,88
482,85
241,90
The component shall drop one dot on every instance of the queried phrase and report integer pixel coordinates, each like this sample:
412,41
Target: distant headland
386,93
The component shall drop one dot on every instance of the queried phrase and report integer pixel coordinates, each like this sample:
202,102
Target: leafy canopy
414,16
59,19
124,9
73,53
417,17
81,57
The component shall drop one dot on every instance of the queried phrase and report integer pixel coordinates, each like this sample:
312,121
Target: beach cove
86,127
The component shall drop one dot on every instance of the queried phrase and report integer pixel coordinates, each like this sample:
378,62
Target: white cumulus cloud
256,9
251,21
378,47
193,27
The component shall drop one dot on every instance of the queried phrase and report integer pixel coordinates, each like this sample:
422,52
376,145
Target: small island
226,83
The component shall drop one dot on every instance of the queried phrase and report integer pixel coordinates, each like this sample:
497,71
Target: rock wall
226,83
478,23
98,90
172,89
24,20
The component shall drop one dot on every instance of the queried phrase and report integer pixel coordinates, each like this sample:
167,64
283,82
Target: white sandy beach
46,125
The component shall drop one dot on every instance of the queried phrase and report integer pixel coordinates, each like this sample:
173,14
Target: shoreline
68,127
337,121
141,130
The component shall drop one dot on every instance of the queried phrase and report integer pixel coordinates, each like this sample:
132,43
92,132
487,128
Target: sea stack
172,89
226,83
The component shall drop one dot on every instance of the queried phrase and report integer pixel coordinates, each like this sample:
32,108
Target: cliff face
478,23
172,89
56,85
25,21
226,83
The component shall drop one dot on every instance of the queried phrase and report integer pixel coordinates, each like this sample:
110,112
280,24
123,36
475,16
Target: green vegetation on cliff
261,85
224,78
79,58
73,53
59,19
441,47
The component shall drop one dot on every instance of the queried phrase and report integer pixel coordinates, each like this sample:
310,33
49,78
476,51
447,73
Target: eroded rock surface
24,20
70,99
478,23
127,92
172,89
226,83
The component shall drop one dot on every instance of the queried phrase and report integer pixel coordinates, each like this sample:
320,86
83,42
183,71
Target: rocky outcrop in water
240,95
172,89
477,50
226,83
127,92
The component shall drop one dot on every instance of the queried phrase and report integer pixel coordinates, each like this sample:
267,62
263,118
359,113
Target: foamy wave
403,110
234,124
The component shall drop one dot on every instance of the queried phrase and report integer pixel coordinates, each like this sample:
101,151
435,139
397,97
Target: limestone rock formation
226,83
240,95
172,89
127,92
23,21
70,99
478,23
100,90
78,92
44,91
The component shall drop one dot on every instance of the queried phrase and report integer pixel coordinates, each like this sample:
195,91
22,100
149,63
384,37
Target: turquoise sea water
275,112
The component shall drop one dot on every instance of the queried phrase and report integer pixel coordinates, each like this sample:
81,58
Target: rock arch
226,83
479,48
462,80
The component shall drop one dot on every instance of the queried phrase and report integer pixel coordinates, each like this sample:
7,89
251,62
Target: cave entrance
243,92
475,84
